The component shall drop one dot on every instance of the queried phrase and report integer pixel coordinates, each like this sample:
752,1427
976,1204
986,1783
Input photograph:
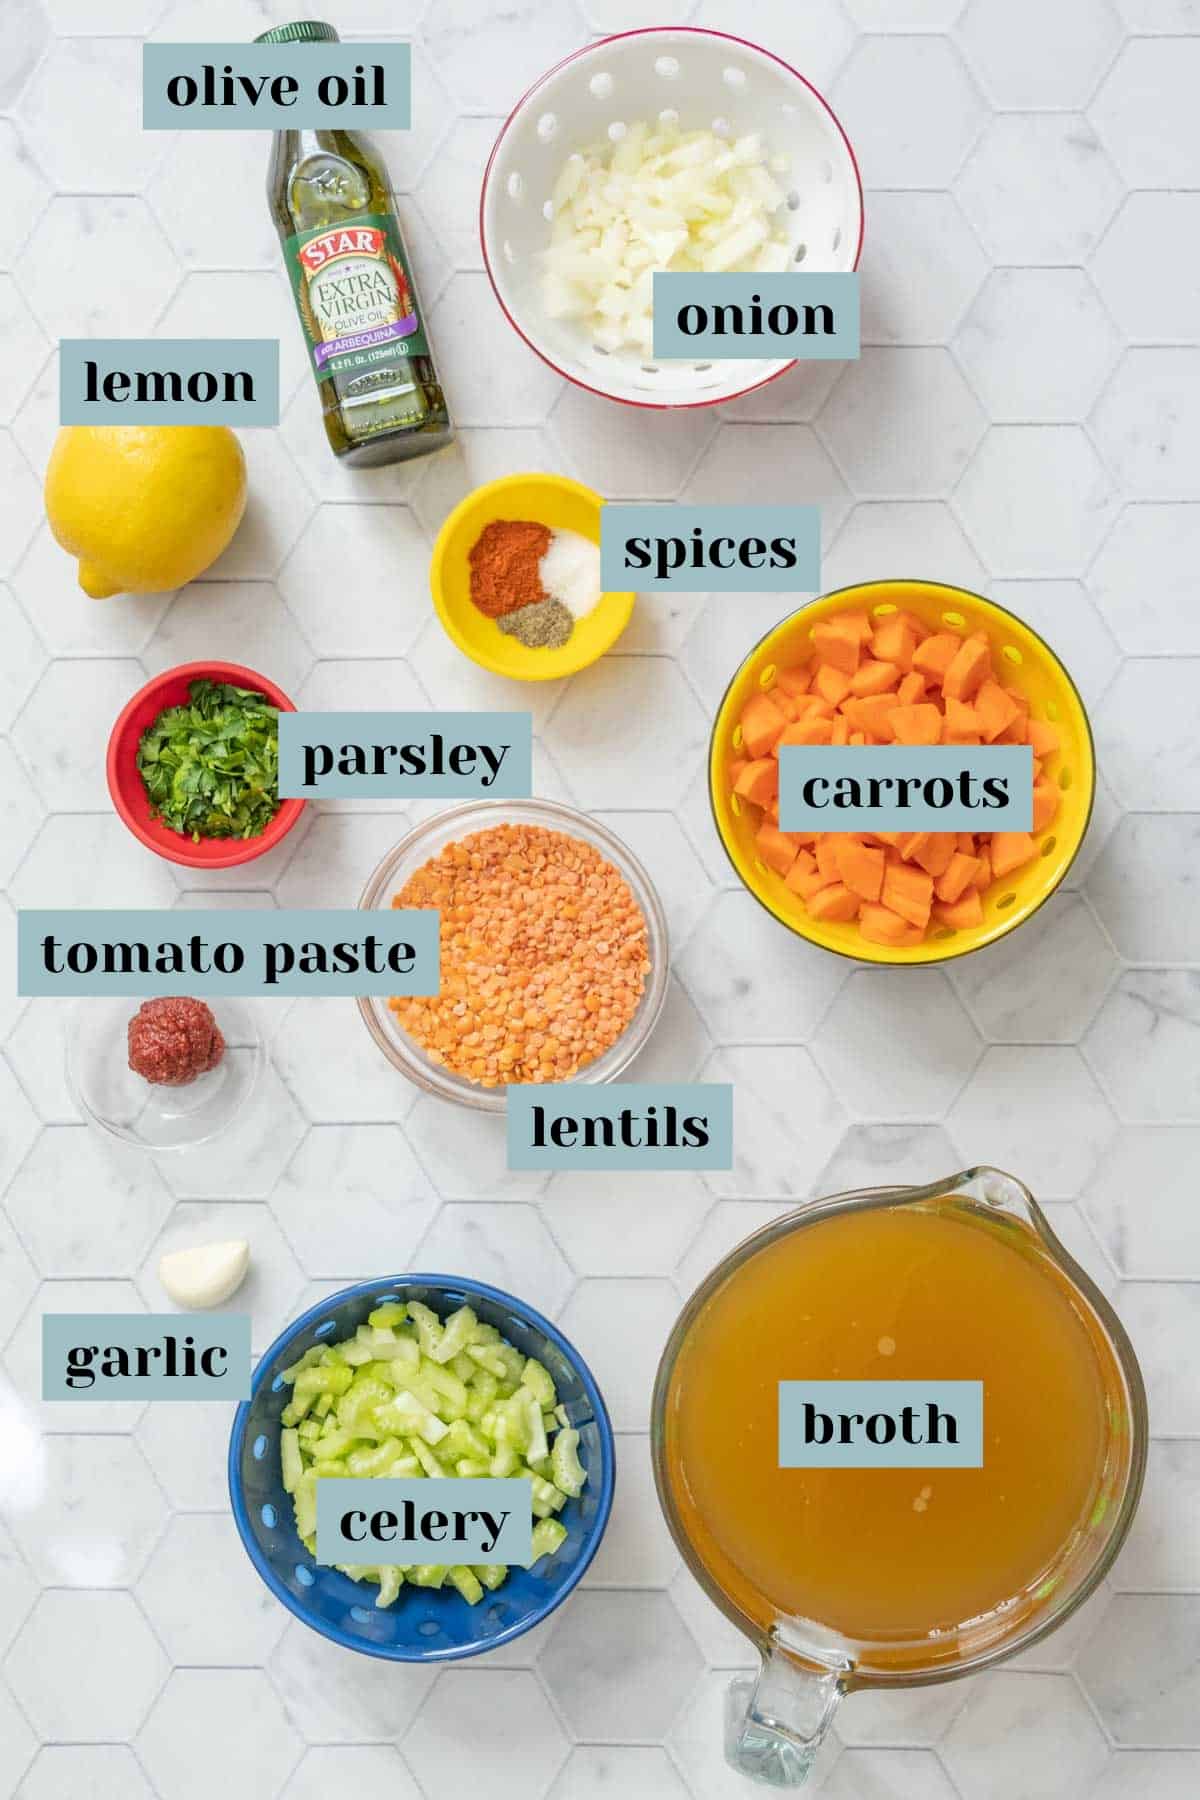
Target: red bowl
128,790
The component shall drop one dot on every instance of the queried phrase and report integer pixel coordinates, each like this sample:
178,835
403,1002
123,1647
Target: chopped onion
660,198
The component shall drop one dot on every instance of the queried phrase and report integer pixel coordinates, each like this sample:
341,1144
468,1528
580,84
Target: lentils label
621,1125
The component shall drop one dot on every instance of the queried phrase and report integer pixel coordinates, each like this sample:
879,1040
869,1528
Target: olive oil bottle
333,209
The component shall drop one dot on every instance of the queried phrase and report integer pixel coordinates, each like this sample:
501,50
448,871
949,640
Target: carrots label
903,788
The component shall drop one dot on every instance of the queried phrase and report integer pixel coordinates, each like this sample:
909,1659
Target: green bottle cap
304,31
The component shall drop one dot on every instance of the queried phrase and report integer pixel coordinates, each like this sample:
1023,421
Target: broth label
710,549
405,755
620,1125
276,87
894,787
777,315
881,1424
246,951
431,1519
168,381
145,1356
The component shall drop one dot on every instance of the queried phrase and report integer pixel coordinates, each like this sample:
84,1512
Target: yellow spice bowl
552,500
1026,660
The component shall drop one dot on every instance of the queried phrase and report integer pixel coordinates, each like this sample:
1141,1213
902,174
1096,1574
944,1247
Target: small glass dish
424,843
115,1100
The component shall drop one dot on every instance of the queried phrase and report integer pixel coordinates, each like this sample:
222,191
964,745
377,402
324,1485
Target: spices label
881,1425
354,296
710,549
621,1125
906,787
405,756
145,1356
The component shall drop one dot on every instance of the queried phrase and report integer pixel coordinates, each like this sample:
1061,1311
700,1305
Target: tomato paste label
355,297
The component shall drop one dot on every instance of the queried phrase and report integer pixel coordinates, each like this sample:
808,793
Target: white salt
570,571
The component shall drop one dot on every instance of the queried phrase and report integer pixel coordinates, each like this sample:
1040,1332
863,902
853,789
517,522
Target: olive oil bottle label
354,296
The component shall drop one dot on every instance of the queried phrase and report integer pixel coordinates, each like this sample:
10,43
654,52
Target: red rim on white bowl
128,790
835,171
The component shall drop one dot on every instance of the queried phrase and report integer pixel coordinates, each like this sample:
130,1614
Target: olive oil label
354,296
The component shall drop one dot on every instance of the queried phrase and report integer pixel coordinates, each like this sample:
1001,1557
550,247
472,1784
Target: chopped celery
411,1394
569,1472
548,1534
467,1583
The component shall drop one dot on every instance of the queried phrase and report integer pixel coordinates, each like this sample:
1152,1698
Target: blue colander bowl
423,1625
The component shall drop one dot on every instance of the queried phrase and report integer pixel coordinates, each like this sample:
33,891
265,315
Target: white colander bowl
710,80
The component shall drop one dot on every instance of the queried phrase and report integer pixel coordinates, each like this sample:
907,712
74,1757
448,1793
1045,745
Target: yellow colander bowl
1027,662
563,505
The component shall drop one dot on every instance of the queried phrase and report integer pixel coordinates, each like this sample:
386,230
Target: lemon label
355,297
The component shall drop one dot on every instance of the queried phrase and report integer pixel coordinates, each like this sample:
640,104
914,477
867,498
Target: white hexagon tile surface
1025,418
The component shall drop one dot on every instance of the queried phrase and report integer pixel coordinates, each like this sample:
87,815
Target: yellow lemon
145,508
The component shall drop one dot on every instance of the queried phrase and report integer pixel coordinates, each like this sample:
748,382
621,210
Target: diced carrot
805,878
956,878
776,848
860,867
788,704
934,856
911,842
771,811
841,731
917,626
735,768
880,925
874,678
894,641
961,724
826,854
834,904
1045,804
1017,732
1011,850
758,781
1019,698
921,724
831,684
858,737
908,892
996,711
811,729
891,838
837,641
1044,737
911,689
794,681
859,623
983,864
872,715
971,667
762,723
966,843
935,655
964,912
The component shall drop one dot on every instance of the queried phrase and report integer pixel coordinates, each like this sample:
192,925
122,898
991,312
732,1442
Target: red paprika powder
504,563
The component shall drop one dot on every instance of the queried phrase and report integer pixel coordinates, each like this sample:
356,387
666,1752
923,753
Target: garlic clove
205,1275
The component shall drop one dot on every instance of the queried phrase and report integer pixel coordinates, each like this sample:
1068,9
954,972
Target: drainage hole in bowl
800,252
954,620
1005,900
304,1575
1052,709
793,201
325,1327
884,609
651,369
668,116
601,86
1064,780
1011,654
837,238
617,130
947,931
515,185
826,171
495,1615
547,126
277,1384
735,805
1049,846
722,128
428,1628
667,67
548,211
701,368
259,1449
734,78
767,676
360,1615
510,255
269,1516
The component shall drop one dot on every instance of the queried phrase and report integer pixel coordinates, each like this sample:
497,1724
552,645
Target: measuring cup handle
774,1724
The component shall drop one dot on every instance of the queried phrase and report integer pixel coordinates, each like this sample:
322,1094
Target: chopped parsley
211,766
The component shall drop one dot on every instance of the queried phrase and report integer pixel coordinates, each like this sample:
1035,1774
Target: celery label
380,1520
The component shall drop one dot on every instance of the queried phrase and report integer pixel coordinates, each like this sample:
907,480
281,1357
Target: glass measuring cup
800,1561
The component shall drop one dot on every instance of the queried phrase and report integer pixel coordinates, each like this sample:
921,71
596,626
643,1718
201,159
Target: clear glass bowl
115,1100
419,847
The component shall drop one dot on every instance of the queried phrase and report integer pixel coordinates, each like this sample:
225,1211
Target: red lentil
544,956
